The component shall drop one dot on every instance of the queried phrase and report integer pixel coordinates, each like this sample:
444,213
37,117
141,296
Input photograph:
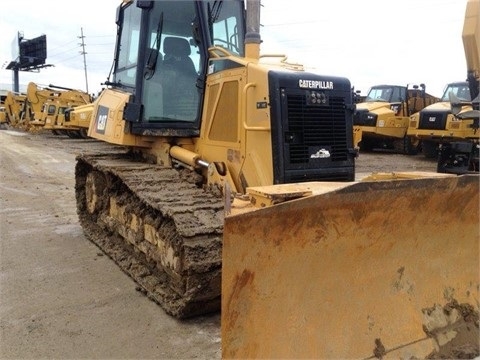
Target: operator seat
177,55
180,94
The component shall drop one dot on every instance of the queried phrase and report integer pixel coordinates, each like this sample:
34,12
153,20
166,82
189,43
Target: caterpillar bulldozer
381,119
211,135
193,104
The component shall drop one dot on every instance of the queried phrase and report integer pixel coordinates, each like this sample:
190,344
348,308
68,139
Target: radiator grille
312,130
312,127
435,120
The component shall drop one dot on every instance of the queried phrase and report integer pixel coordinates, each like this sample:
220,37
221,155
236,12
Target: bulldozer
381,119
210,133
192,100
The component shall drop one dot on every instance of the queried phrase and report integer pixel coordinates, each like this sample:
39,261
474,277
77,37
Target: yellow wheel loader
382,118
206,128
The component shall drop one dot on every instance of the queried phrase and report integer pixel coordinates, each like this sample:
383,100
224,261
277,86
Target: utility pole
83,52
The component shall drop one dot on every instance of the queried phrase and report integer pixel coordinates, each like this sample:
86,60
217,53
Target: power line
63,52
62,46
66,59
104,44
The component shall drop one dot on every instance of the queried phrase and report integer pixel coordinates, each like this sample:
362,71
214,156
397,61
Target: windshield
386,93
127,56
173,63
176,55
162,53
460,90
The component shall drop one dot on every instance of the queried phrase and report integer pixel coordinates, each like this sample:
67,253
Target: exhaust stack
252,36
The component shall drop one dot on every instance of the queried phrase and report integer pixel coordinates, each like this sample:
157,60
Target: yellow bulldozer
381,119
234,187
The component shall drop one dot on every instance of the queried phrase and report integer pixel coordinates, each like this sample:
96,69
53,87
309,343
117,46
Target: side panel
220,137
107,122
351,273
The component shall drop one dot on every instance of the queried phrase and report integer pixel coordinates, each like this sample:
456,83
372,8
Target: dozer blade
381,269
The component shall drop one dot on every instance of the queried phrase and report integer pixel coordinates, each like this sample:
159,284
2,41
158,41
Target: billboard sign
32,53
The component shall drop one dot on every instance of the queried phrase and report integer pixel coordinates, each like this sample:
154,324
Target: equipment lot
60,298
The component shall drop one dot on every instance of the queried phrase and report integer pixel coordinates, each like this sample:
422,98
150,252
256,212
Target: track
159,227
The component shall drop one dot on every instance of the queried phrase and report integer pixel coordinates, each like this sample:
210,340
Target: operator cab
460,89
387,93
165,70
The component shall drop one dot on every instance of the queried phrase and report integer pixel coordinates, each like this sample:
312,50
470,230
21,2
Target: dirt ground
59,297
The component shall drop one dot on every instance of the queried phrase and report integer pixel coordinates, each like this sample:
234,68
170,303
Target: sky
370,42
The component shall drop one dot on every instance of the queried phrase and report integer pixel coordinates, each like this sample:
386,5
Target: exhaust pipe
59,87
252,36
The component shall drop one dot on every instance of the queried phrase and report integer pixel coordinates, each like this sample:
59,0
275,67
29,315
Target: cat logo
320,154
101,120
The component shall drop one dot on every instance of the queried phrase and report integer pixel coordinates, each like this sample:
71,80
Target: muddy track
160,228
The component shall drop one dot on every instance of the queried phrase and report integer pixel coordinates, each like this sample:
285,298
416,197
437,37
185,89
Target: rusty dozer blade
376,269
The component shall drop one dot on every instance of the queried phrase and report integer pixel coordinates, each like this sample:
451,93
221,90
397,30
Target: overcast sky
370,42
